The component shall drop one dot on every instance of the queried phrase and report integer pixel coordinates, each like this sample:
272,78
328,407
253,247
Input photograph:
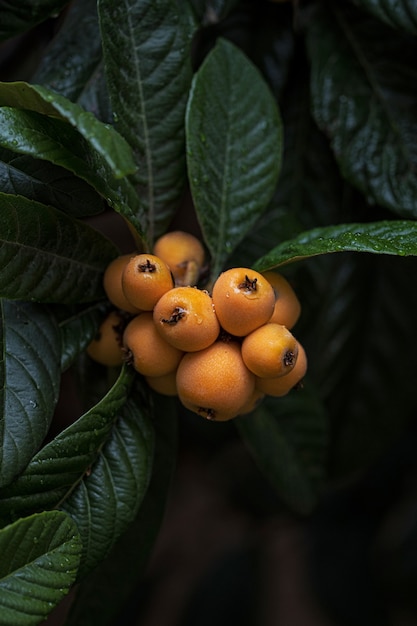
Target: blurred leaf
212,11
362,98
398,237
48,256
108,499
54,140
119,574
23,15
30,377
40,557
62,463
102,137
396,13
146,45
288,439
233,148
49,184
74,54
78,327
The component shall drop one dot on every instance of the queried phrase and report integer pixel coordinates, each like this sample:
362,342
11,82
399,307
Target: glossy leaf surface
40,558
30,377
234,148
396,13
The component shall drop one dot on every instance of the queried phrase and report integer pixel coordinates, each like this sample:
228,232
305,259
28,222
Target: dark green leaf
74,54
78,327
288,439
212,11
54,140
48,256
30,377
362,80
119,574
102,137
109,497
39,561
398,237
397,13
61,464
23,15
146,45
234,148
49,184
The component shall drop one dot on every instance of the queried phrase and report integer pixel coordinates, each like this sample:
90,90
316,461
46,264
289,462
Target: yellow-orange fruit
106,347
243,300
280,386
112,283
185,318
287,307
145,279
184,254
253,402
270,350
148,352
214,382
165,385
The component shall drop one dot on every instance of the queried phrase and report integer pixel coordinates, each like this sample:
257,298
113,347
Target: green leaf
234,146
62,463
288,439
398,237
54,140
362,73
122,570
49,184
111,146
146,45
48,256
23,15
78,327
74,54
108,499
30,377
396,13
39,561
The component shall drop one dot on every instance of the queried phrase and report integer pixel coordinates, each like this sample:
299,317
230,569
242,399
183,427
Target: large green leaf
52,139
108,499
17,17
102,137
30,377
47,183
74,54
397,13
362,77
39,561
62,463
120,573
398,237
47,256
288,438
146,45
234,146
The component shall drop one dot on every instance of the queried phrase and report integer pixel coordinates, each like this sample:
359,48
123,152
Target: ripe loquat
148,352
185,318
165,385
184,254
243,300
287,307
145,279
214,382
106,347
270,350
280,386
112,283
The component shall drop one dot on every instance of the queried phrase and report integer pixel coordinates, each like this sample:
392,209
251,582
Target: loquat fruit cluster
219,352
